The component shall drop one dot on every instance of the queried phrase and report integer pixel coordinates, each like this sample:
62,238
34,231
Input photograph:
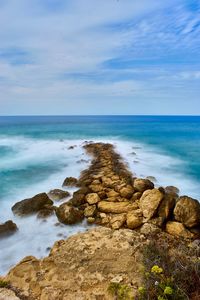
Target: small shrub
120,291
3,284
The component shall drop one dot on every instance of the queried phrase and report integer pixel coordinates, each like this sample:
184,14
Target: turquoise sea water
34,157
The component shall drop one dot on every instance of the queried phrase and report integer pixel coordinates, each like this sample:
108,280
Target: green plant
3,283
120,291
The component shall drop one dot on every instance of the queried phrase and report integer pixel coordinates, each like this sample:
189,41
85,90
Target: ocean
35,157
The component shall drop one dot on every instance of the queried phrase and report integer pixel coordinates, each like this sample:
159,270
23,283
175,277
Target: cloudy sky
99,57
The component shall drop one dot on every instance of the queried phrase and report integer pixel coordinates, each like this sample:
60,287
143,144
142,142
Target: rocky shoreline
130,211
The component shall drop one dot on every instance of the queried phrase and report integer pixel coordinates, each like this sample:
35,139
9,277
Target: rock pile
108,195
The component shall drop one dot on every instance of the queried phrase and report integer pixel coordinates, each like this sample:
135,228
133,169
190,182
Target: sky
91,57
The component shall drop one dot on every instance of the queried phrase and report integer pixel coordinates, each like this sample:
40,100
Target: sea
36,156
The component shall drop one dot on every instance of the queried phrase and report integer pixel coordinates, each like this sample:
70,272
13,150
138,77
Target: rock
113,194
92,198
127,192
166,206
149,202
133,221
178,229
171,189
31,205
151,178
158,221
70,181
6,294
117,221
90,220
96,188
90,211
116,207
136,196
142,185
149,229
68,215
45,213
58,194
7,228
187,211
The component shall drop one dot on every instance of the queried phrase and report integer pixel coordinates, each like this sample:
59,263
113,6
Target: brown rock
45,213
57,194
127,192
90,211
70,181
151,178
142,185
68,214
92,198
136,196
116,207
171,189
187,211
96,188
133,221
166,206
31,205
158,221
149,229
7,228
149,202
178,229
112,193
90,220
117,221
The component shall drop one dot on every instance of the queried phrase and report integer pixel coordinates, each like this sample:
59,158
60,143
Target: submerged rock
70,181
68,214
31,205
58,194
187,211
8,228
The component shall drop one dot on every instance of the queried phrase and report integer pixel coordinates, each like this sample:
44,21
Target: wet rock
45,213
187,211
58,194
117,221
142,185
68,214
70,181
133,221
90,211
7,228
116,207
92,198
151,178
149,202
127,192
171,189
178,229
31,205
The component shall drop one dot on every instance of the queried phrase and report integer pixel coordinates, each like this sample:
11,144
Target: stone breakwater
130,210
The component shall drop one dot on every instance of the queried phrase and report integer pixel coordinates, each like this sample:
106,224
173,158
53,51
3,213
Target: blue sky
99,57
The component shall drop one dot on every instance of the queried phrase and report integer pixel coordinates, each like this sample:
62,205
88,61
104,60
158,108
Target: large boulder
166,206
32,205
187,211
127,192
116,207
58,194
67,214
178,229
70,181
133,220
6,294
149,202
142,185
7,228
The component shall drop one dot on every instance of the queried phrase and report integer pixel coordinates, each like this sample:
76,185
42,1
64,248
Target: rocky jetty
132,212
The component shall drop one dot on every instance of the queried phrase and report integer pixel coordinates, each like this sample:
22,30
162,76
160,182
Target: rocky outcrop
70,181
58,194
7,228
142,185
68,214
32,205
187,211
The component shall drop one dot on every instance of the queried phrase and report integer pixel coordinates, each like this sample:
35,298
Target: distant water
34,157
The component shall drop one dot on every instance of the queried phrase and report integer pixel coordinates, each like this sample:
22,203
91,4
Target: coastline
108,195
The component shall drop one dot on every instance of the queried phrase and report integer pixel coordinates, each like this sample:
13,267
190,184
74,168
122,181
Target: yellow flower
156,269
168,290
141,290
